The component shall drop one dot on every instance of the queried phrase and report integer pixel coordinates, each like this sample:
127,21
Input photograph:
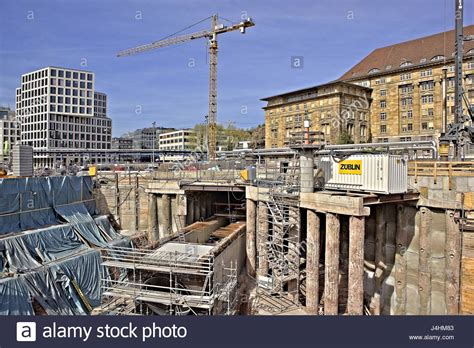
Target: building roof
312,88
420,51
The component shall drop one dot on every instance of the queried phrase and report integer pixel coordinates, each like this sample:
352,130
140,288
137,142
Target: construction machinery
216,29
461,131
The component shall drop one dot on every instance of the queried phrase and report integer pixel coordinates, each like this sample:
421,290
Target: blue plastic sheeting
29,250
14,297
27,203
51,286
113,238
78,216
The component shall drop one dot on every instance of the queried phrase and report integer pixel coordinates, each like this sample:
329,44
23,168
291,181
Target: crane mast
216,29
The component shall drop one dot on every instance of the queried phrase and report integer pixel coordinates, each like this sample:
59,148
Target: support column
355,300
312,262
190,210
153,234
202,205
181,210
209,202
262,237
166,214
197,210
331,279
251,210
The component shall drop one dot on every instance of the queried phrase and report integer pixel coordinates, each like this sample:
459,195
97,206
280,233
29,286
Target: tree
345,138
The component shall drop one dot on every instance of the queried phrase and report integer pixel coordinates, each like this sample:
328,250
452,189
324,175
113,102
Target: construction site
374,228
290,233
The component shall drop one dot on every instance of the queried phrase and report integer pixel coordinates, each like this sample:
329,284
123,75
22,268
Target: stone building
413,86
401,92
337,109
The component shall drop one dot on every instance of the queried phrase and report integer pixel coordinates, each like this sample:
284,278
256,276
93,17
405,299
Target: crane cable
188,27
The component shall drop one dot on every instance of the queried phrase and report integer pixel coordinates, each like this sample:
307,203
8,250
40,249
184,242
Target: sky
169,86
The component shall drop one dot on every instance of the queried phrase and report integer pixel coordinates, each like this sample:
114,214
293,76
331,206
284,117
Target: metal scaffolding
185,284
282,240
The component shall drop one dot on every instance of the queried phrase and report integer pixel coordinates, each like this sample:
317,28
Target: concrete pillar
203,205
181,210
166,214
153,234
251,210
197,210
210,201
312,262
331,279
262,237
355,300
306,171
190,210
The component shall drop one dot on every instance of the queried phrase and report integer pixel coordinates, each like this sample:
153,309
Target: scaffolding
282,240
168,282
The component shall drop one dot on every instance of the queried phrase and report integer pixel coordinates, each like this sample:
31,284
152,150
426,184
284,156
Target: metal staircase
282,245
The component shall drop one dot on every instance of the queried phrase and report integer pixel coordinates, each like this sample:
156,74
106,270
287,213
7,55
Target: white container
378,173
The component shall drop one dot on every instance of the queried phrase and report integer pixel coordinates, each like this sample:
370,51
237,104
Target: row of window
406,63
425,126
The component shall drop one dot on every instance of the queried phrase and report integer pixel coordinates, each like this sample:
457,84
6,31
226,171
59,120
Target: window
427,86
53,72
383,103
407,89
410,113
405,63
406,102
374,71
380,81
383,116
424,126
383,128
427,99
410,127
383,92
405,76
451,68
470,65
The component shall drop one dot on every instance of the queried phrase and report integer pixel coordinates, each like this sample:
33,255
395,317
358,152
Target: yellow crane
216,29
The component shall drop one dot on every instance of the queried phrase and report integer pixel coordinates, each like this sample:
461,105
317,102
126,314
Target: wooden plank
424,276
453,243
331,279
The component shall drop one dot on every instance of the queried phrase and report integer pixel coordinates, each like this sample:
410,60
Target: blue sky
330,35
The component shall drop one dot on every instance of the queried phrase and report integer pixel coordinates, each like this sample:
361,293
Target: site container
378,173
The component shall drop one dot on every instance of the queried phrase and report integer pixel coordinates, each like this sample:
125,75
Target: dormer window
437,58
374,71
405,63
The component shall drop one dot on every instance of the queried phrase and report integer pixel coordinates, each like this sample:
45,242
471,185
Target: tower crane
216,29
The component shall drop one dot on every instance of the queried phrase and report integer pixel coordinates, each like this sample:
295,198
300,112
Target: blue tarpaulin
28,203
